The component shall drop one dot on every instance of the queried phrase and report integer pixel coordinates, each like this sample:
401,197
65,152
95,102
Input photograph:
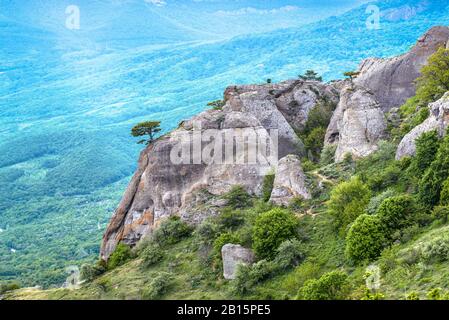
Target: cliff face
179,176
392,80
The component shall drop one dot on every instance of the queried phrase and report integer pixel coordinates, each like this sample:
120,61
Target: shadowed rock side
438,120
358,123
392,80
162,187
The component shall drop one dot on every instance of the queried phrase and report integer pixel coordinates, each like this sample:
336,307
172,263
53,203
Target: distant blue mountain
68,99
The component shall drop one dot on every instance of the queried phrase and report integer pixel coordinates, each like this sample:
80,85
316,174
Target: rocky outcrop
185,172
233,256
392,80
284,106
438,120
289,182
358,123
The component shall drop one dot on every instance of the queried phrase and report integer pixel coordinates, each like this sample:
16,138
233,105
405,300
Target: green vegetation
348,201
365,240
431,184
271,229
217,104
267,186
311,75
148,128
120,256
331,286
238,198
431,86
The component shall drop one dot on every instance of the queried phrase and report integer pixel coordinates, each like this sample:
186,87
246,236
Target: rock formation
438,120
233,256
237,146
392,80
289,182
357,125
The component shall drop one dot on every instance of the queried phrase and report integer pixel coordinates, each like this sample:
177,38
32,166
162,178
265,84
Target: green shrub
366,239
289,254
436,250
121,255
9,286
238,198
431,184
331,286
328,155
397,213
426,149
441,213
230,219
375,202
444,200
271,229
412,296
151,255
171,231
373,295
348,201
247,277
267,186
158,287
208,231
90,272
437,294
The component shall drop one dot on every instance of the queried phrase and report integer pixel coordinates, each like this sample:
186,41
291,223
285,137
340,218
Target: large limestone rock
357,125
438,120
284,106
232,256
165,184
289,182
392,80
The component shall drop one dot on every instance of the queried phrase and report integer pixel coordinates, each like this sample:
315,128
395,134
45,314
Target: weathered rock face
392,80
284,106
289,182
438,120
358,123
234,255
177,176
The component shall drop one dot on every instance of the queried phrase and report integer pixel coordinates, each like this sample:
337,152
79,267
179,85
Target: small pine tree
148,128
311,75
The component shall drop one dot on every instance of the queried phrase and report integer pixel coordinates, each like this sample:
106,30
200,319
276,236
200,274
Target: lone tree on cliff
311,75
352,75
148,128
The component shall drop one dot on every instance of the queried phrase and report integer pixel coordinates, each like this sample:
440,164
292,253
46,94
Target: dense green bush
151,255
171,231
121,255
366,239
426,149
444,199
328,155
238,198
431,184
441,214
331,286
289,254
247,277
267,186
230,219
348,201
158,287
9,286
376,201
271,229
397,213
90,272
